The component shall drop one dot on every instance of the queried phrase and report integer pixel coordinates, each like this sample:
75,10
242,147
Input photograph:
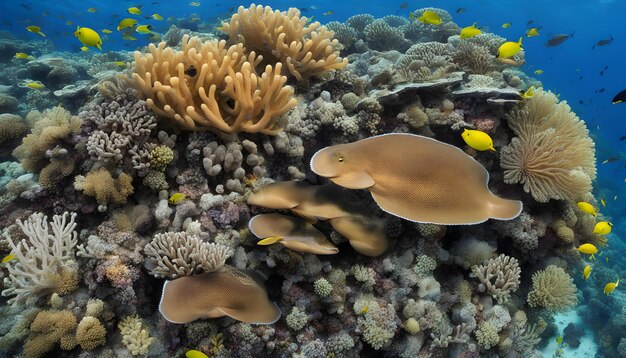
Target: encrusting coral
211,86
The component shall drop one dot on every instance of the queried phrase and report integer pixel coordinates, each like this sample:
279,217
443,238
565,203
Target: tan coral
101,185
209,86
307,49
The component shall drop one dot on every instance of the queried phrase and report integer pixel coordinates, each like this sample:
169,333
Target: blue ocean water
586,77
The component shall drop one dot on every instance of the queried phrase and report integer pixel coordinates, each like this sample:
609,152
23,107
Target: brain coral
547,130
553,288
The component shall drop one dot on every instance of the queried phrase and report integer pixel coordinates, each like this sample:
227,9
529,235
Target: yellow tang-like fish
35,30
134,10
470,31
586,272
585,207
538,72
602,228
610,287
269,240
588,249
510,49
35,85
430,17
192,353
530,92
477,140
177,198
8,258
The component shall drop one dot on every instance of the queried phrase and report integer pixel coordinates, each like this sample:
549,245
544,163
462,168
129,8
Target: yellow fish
588,249
429,17
120,63
127,22
506,25
220,28
606,258
477,140
107,31
585,207
88,37
23,56
177,198
35,85
470,31
364,310
143,29
195,3
128,38
603,202
84,48
510,49
134,10
269,240
532,32
602,228
610,287
586,272
328,13
157,17
8,258
154,37
36,30
559,340
192,353
529,92
92,10
538,72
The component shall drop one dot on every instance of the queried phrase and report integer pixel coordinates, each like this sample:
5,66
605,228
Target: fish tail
41,33
503,209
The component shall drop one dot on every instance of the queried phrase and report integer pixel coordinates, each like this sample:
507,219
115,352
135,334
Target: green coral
162,156
322,287
553,289
487,335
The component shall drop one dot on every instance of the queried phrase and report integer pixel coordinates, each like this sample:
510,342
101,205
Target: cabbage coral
553,289
552,155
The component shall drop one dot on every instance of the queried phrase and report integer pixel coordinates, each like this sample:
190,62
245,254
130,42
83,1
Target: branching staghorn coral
211,86
546,129
178,254
306,49
553,289
44,262
498,277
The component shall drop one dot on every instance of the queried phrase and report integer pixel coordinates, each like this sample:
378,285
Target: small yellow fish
588,249
177,198
602,228
127,22
470,31
610,287
35,85
532,32
538,72
157,17
477,140
23,56
128,38
530,92
88,37
606,258
585,207
143,29
194,3
120,63
154,37
36,30
506,25
69,22
92,10
586,272
84,48
430,17
107,31
270,240
603,202
559,340
8,258
192,353
328,13
364,310
509,49
134,10
221,27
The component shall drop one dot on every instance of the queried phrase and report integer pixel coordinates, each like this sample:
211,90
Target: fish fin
99,47
354,180
520,40
42,34
269,240
503,209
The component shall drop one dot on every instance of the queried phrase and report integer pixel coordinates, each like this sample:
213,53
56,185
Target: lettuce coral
553,289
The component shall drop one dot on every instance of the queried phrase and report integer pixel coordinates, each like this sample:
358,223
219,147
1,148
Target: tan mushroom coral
416,178
327,202
293,233
239,294
306,48
211,86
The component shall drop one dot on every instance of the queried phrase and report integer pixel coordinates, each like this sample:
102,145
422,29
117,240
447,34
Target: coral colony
285,188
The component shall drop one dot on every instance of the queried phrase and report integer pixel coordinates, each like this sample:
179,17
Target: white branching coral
498,277
134,335
44,262
176,254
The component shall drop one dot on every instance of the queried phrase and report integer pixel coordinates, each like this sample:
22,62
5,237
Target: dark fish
606,67
304,9
404,5
191,71
26,7
621,139
580,101
603,42
580,78
611,160
620,97
155,3
558,39
460,10
600,90
601,73
529,22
